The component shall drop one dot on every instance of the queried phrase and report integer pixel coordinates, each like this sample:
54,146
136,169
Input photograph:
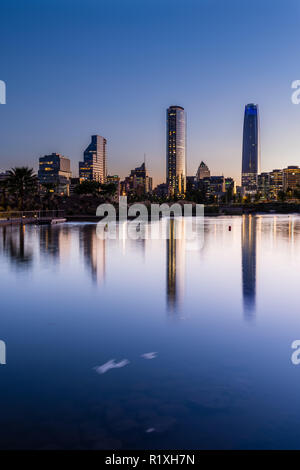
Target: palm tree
22,182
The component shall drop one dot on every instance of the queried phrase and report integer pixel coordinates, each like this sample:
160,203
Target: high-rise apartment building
93,167
176,151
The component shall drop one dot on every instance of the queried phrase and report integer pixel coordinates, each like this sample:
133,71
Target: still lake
220,321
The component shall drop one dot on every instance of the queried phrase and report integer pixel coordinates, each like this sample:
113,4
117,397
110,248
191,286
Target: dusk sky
111,67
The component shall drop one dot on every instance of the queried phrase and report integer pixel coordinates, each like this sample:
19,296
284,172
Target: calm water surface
221,319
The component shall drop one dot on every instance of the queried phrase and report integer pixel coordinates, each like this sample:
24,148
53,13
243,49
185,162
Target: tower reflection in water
249,264
175,263
94,253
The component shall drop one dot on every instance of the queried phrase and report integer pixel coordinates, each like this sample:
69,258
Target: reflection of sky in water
221,321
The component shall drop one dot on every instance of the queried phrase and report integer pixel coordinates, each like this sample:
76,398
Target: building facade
55,170
192,183
138,181
93,167
141,178
263,184
251,148
276,182
291,178
214,186
230,185
176,151
203,171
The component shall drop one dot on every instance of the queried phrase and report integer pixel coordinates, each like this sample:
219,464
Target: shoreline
209,211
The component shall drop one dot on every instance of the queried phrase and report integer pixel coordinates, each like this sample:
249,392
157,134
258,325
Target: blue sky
74,68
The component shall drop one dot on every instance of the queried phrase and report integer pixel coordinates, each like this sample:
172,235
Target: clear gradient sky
79,67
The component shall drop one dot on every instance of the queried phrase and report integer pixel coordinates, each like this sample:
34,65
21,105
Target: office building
138,181
192,183
251,149
93,167
230,185
263,184
203,171
276,182
55,170
291,178
213,186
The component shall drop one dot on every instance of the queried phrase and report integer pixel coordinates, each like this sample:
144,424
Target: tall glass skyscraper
176,150
251,148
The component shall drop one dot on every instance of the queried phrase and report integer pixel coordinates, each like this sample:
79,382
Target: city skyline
98,147
96,169
60,104
149,229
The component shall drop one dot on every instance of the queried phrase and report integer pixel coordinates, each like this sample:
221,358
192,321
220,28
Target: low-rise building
263,184
230,185
291,178
191,183
137,182
214,186
276,182
161,190
55,170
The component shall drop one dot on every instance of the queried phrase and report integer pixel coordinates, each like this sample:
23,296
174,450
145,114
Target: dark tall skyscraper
176,150
251,150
